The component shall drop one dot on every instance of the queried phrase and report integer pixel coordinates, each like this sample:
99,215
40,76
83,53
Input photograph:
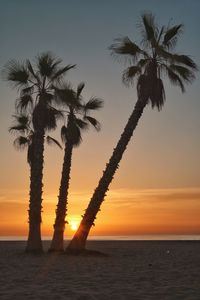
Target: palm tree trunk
34,243
78,242
57,243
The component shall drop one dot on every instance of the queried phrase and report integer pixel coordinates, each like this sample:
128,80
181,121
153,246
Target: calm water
119,238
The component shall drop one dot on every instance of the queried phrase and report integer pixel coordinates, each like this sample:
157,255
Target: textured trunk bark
57,243
78,242
34,243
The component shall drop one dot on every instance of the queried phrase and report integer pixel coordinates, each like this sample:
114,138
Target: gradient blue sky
164,153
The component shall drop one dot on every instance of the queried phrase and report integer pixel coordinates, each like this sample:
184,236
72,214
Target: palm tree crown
37,80
153,59
77,113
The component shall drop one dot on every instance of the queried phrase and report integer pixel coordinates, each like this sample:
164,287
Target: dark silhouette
36,90
77,120
25,134
23,129
148,64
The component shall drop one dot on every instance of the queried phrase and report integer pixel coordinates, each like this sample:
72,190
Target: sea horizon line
145,237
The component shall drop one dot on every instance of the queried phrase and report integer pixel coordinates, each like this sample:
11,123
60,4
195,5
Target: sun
74,225
73,222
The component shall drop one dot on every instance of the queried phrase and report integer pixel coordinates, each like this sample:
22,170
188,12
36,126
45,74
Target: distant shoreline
118,238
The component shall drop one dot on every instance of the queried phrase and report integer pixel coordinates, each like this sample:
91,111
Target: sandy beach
137,270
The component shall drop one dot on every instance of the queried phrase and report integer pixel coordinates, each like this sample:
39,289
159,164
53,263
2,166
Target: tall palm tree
149,63
36,90
77,120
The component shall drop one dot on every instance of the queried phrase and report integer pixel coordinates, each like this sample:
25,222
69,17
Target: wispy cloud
13,196
140,210
119,197
149,196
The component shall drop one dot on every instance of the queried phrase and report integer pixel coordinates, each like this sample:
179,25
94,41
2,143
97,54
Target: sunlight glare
74,225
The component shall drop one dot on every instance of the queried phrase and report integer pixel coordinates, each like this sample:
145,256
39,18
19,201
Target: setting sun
74,224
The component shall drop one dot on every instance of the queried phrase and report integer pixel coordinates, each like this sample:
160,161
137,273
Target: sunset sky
157,187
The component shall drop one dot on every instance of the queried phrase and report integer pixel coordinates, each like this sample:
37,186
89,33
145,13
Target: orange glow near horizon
124,212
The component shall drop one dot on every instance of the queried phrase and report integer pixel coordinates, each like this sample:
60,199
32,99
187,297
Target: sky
157,187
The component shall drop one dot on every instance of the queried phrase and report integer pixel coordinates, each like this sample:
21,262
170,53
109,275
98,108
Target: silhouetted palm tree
151,61
36,85
77,120
23,129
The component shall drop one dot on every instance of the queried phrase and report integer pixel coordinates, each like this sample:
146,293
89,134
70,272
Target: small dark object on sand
150,265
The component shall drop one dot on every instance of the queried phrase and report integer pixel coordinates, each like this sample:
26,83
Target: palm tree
36,90
77,120
23,129
148,63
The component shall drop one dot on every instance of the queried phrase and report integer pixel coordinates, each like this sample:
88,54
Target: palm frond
150,29
17,128
160,35
47,63
81,124
94,122
65,96
163,53
61,72
80,87
51,116
130,74
23,102
22,119
63,134
176,58
31,70
184,60
186,74
52,141
124,46
143,62
21,142
171,36
27,91
174,78
93,104
22,124
17,73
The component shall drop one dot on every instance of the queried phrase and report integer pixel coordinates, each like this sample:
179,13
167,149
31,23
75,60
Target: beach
163,270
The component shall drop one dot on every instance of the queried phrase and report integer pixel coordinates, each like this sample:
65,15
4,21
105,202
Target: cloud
130,197
115,197
13,196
